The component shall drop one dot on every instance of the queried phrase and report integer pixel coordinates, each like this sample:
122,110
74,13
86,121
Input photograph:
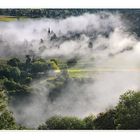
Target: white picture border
70,135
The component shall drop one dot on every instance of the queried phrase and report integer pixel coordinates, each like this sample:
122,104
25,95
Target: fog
112,55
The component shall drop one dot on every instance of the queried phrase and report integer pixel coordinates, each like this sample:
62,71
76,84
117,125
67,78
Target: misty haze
69,69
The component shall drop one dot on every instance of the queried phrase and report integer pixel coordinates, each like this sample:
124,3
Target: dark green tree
105,121
15,73
128,111
89,122
39,66
10,72
3,101
63,123
13,62
7,121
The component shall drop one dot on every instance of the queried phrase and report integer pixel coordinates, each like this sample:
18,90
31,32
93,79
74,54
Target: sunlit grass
7,18
10,18
77,73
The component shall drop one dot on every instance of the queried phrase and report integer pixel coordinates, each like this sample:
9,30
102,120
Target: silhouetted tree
13,62
105,120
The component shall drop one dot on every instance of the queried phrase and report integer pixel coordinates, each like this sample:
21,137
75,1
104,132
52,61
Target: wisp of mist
113,62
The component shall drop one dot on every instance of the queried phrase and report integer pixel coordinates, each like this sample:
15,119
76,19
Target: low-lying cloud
102,39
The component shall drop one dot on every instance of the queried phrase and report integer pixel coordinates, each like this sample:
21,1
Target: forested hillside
16,76
69,69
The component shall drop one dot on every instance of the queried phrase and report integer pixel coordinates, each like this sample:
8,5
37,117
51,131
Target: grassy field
10,18
77,73
7,18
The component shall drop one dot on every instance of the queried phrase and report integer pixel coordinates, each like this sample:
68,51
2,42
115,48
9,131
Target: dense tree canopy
63,123
105,120
3,101
128,111
89,122
7,121
13,62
